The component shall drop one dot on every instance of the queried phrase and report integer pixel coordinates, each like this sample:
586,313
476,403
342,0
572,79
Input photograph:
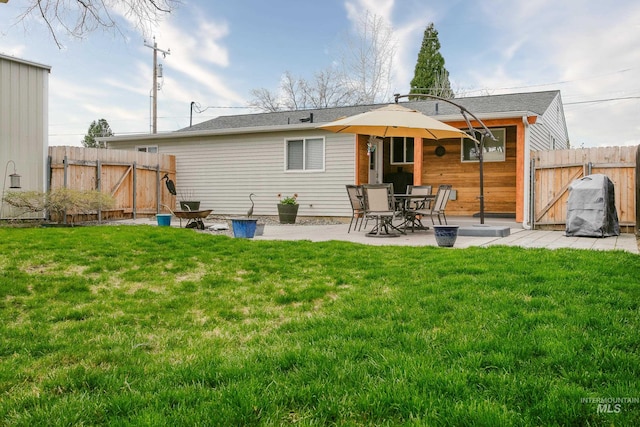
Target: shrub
60,201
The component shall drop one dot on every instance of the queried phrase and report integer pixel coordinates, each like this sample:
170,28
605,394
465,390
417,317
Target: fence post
158,186
47,214
638,190
65,163
99,186
135,189
532,194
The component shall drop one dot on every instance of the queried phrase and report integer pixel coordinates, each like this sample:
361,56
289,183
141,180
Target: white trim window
304,155
401,150
494,151
147,148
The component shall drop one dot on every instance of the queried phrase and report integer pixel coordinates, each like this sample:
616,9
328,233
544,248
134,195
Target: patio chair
420,190
437,209
379,204
440,203
357,205
413,205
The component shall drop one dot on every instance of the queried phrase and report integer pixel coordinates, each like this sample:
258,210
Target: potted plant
288,209
246,226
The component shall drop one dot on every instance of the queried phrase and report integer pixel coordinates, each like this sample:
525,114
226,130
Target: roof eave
487,116
25,62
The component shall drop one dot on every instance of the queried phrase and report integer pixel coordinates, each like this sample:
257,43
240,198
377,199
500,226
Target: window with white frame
401,150
304,154
147,148
494,151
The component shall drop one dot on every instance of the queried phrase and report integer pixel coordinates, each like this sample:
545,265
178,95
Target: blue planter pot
446,235
164,219
244,227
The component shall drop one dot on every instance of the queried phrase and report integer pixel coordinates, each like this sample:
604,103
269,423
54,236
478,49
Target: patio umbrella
395,120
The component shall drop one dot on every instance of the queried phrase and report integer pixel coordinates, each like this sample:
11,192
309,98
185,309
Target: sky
221,50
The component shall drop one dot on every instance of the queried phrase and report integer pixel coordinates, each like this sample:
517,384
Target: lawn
160,326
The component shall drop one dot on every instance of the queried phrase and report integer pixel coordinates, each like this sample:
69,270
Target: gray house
24,106
221,161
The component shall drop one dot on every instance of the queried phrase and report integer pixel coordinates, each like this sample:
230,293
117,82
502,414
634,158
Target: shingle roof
534,102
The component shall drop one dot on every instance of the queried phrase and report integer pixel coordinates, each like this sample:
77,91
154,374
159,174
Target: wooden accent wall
362,160
133,178
499,177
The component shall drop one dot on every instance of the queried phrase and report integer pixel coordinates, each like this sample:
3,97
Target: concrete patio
518,237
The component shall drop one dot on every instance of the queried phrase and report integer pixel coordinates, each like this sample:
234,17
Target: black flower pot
190,206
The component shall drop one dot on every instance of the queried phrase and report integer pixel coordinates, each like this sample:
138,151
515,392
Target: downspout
526,222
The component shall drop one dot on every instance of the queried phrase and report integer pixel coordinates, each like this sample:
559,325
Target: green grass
161,326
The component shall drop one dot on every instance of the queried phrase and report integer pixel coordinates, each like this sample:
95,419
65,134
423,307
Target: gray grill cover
591,207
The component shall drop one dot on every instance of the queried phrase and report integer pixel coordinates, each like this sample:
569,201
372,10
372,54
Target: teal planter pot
244,227
164,220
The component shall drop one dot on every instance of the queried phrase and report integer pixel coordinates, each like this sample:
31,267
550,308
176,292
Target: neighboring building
24,122
222,161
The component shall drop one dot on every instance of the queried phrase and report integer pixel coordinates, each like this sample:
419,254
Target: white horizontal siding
550,127
222,171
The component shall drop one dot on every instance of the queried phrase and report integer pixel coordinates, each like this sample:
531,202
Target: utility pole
154,128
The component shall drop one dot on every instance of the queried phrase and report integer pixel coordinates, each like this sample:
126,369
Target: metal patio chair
379,204
437,208
357,205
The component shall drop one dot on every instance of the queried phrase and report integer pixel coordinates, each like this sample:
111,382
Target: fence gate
554,171
133,178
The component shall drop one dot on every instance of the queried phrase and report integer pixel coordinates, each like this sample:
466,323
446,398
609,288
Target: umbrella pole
486,132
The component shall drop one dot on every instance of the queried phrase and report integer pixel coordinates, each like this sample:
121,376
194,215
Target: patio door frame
376,163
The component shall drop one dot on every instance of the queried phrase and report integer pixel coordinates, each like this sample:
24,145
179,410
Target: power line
561,82
602,100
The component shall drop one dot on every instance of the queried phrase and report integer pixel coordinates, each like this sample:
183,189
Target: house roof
483,107
531,103
24,61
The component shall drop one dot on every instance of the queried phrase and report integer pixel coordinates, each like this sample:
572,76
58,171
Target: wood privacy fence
132,178
553,171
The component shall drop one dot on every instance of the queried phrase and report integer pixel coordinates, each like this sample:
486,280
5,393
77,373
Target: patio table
408,217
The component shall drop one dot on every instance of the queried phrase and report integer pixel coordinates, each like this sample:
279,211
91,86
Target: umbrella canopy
395,120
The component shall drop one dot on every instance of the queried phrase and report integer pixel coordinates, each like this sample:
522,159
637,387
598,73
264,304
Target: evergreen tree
430,75
97,129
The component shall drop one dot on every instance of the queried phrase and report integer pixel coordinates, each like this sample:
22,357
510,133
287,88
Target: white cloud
197,50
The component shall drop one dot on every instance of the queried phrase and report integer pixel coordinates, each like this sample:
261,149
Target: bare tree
80,17
327,90
265,100
367,60
362,76
290,96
